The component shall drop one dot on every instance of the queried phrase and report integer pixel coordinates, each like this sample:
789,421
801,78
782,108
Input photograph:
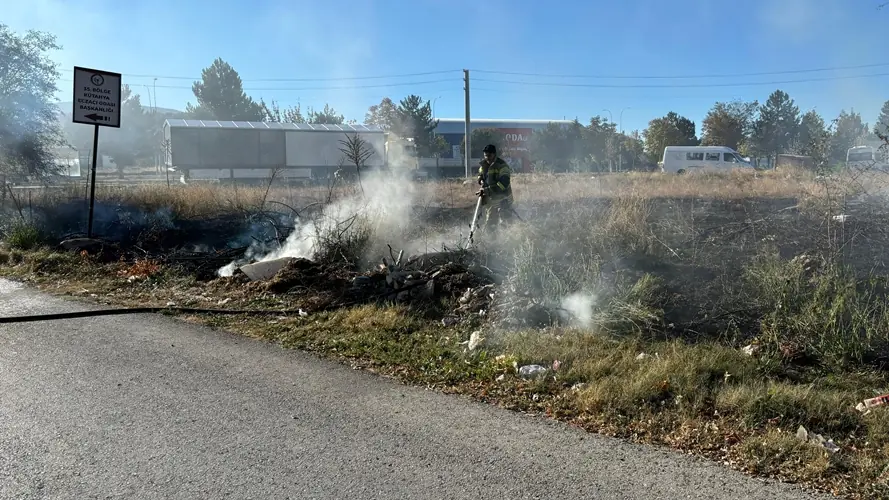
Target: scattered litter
867,404
642,356
450,320
171,304
259,271
556,365
751,349
840,218
224,301
302,313
531,371
475,340
816,439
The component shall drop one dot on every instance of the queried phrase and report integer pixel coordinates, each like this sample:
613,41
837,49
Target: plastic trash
531,371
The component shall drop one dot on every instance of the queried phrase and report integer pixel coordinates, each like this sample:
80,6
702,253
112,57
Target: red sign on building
516,152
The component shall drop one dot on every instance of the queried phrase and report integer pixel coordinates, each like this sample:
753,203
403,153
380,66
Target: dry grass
209,199
681,273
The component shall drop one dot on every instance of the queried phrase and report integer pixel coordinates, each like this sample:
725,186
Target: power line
352,87
682,77
512,73
527,91
679,86
268,80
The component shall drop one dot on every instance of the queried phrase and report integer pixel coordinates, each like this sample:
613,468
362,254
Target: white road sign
97,97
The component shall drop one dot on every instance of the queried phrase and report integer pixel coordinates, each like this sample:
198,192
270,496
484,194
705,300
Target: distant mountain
66,107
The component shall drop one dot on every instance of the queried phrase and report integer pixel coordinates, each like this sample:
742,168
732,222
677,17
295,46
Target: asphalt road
149,407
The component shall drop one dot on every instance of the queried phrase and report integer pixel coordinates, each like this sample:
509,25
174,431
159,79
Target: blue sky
338,40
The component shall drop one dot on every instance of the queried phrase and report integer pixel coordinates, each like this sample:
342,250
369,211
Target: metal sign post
97,99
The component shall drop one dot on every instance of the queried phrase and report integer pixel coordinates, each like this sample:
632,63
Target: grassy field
716,314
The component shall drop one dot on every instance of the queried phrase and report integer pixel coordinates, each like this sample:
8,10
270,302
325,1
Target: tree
633,151
29,129
728,124
327,116
777,125
220,95
356,151
132,140
275,114
440,145
557,146
481,137
882,125
600,143
813,138
848,130
138,139
383,115
414,119
669,130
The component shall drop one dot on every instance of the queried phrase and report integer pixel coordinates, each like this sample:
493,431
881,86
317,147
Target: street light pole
610,121
620,156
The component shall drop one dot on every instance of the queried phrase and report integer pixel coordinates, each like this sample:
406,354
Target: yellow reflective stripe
501,185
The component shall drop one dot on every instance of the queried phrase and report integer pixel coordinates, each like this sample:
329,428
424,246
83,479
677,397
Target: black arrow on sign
94,117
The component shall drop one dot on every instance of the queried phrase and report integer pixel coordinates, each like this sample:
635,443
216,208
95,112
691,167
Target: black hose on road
136,310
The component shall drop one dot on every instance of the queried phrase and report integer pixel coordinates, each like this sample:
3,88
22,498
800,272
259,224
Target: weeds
22,235
663,280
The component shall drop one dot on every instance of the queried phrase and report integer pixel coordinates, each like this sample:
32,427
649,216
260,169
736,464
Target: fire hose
478,207
194,310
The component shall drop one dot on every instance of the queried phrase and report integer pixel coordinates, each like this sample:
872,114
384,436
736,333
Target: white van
868,156
683,159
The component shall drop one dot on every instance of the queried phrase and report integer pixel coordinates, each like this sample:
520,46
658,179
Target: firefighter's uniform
498,195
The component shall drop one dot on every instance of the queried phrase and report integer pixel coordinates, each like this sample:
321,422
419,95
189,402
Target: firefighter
494,178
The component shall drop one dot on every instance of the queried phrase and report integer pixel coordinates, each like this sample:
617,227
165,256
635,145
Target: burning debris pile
270,253
451,283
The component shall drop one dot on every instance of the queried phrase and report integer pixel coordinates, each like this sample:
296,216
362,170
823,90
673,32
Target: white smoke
580,305
382,203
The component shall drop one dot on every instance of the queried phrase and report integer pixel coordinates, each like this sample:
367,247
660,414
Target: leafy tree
669,130
384,114
275,114
558,146
29,129
813,139
777,125
132,140
327,116
728,124
633,151
414,119
137,140
882,125
440,145
848,130
220,95
600,144
481,137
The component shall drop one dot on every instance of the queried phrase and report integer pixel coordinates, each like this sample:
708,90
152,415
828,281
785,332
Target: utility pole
620,146
468,148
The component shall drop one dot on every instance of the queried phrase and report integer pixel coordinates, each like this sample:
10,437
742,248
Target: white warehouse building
240,150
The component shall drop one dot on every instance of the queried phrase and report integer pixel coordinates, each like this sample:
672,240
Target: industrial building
516,137
229,150
208,149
